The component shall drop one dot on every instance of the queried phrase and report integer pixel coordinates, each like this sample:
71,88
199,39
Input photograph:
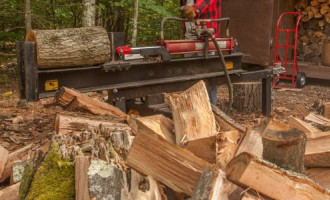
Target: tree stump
247,97
71,47
284,146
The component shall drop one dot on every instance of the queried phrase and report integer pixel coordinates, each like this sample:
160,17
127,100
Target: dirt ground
22,123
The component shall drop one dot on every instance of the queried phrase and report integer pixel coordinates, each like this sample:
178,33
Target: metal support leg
267,96
121,104
31,75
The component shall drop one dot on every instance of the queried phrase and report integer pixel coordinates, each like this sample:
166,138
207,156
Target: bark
105,180
28,21
88,16
135,21
247,97
176,167
248,171
284,146
70,47
211,186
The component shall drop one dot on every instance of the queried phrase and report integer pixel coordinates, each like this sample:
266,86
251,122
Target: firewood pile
99,152
314,29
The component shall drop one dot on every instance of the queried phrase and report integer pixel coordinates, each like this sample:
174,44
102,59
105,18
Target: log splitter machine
171,66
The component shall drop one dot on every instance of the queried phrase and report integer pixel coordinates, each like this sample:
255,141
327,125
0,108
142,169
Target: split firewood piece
174,166
251,143
320,175
158,124
227,147
318,119
81,178
318,152
204,148
68,124
248,196
20,154
3,160
142,188
326,110
305,127
249,171
284,146
78,101
10,192
212,185
192,114
225,122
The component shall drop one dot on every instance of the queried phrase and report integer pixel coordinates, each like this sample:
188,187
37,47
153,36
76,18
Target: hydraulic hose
223,63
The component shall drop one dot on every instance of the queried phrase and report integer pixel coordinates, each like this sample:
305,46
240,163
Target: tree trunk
284,146
135,21
71,47
88,16
247,97
28,22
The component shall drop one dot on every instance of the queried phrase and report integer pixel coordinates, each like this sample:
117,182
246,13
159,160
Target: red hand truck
297,79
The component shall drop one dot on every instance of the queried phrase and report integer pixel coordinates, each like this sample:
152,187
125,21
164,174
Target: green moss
54,179
26,181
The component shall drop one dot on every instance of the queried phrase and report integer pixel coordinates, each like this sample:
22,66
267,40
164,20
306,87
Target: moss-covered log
71,47
54,179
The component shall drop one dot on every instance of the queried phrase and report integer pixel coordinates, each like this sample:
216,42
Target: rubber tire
301,80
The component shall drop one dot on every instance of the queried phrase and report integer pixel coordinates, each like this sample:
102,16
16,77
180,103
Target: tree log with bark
284,146
247,96
71,47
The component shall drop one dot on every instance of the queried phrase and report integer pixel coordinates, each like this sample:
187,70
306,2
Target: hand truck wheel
301,80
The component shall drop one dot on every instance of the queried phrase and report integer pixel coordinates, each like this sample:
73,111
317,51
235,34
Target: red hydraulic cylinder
175,47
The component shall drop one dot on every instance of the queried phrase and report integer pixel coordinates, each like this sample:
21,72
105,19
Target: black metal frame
127,80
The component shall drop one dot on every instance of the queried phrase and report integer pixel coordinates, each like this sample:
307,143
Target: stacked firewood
194,152
314,29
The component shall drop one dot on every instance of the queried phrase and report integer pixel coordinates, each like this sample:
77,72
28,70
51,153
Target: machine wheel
300,80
